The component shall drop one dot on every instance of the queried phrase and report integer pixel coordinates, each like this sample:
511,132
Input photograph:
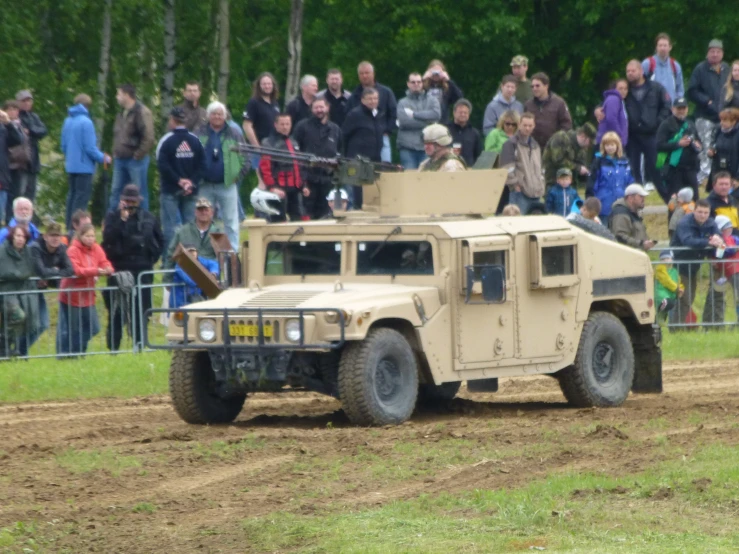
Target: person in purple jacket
611,115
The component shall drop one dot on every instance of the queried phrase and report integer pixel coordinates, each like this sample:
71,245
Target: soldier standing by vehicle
317,135
436,143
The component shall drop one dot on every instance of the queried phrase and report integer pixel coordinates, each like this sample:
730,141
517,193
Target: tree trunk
224,62
101,104
294,49
169,59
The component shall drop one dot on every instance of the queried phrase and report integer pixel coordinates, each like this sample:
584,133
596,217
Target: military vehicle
401,302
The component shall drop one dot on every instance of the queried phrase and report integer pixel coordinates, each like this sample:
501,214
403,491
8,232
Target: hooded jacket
426,110
614,117
524,156
79,142
608,180
86,262
16,270
497,106
706,85
628,226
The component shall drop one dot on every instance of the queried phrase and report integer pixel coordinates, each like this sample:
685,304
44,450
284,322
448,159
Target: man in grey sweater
415,111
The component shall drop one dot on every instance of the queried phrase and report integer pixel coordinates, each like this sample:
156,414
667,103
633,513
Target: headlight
292,330
207,330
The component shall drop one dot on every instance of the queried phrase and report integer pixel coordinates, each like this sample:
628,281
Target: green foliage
88,461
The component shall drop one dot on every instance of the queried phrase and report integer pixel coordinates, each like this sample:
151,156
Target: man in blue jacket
181,162
79,146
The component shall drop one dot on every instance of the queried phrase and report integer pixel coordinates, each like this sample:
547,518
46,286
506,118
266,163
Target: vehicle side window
557,260
395,258
492,257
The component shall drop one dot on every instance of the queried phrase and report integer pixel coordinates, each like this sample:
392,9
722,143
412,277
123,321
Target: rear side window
303,258
557,260
395,258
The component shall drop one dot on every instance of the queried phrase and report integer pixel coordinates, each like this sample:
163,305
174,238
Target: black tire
378,379
429,394
603,371
191,387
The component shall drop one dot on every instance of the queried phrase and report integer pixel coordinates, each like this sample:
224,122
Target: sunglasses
510,124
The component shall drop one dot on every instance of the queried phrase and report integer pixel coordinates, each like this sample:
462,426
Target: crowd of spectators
642,138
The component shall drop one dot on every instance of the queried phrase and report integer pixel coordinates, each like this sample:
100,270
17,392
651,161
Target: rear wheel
192,388
604,366
378,379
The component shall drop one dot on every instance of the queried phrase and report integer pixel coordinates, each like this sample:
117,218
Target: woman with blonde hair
730,92
436,83
505,129
610,174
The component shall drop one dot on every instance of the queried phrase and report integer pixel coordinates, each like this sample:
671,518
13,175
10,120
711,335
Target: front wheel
378,379
192,389
603,371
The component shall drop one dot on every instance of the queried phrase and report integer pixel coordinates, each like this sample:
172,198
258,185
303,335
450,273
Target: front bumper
312,322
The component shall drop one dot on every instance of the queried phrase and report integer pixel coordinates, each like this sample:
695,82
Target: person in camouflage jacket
569,149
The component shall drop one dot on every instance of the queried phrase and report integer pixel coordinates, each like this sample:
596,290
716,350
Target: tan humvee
403,301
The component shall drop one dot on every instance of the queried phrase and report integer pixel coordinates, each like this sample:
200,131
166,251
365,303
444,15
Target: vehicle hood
346,296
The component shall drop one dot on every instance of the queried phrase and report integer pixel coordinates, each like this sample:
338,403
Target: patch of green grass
123,375
700,345
87,461
144,508
225,450
674,507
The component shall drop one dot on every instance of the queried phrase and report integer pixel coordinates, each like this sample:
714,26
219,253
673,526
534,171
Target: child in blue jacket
184,289
562,197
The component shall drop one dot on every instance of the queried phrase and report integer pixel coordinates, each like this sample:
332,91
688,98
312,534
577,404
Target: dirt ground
180,488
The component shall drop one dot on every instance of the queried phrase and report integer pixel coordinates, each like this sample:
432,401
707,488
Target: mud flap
483,385
648,360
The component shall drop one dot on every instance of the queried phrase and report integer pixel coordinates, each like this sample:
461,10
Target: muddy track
114,475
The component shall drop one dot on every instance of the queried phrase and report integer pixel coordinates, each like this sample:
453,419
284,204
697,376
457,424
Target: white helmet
722,222
265,201
438,134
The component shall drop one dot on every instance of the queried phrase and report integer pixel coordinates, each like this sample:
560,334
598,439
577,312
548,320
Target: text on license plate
236,330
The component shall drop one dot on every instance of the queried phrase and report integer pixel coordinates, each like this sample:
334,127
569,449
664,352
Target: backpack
653,65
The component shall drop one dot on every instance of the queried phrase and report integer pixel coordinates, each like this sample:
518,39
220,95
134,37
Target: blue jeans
385,154
522,201
75,327
174,211
226,198
125,172
411,159
78,197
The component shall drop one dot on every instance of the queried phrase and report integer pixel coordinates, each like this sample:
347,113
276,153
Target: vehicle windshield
303,258
395,258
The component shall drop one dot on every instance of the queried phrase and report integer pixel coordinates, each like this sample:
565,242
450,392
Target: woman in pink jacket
78,318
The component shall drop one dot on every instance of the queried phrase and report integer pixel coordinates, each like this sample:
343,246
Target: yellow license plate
249,330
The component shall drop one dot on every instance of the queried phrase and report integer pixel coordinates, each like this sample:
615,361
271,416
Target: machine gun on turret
344,171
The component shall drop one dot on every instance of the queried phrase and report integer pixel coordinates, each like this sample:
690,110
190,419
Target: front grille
279,299
275,338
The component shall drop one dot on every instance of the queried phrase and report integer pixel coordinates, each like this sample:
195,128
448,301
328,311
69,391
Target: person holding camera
438,84
725,151
133,242
678,147
181,163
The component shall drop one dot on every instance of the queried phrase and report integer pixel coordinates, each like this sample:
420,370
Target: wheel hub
387,378
604,361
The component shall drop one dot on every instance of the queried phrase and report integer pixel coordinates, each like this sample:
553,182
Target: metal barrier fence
36,324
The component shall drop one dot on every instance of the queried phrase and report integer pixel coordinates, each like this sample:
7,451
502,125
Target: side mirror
488,279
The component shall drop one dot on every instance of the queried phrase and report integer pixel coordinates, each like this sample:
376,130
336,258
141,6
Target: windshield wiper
395,231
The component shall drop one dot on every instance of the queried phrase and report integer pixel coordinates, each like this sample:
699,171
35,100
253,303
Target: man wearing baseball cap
626,222
519,67
678,147
36,130
181,163
704,89
196,232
